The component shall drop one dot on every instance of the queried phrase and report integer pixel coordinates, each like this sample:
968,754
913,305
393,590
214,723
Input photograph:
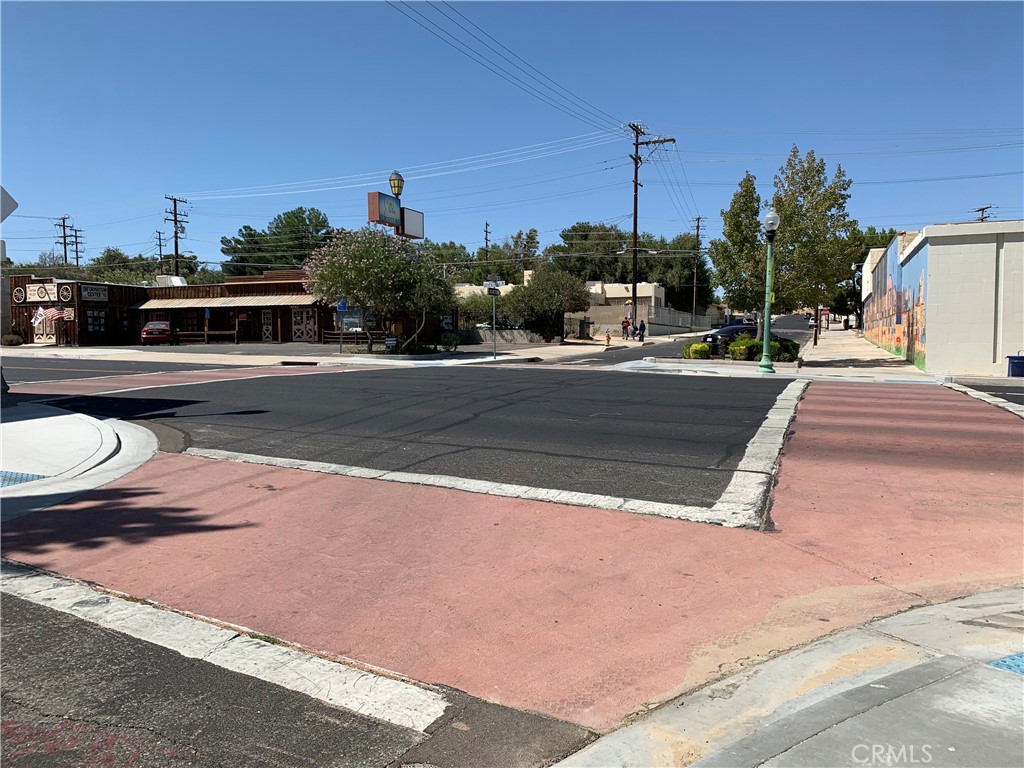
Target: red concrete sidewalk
888,496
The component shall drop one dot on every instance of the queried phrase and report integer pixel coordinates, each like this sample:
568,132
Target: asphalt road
22,370
1012,394
76,694
670,439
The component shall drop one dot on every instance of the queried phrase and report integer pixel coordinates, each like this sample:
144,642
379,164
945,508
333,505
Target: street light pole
771,225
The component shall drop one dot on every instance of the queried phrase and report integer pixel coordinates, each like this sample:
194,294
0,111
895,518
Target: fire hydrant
607,338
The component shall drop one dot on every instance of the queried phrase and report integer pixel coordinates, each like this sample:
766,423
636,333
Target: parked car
159,332
810,323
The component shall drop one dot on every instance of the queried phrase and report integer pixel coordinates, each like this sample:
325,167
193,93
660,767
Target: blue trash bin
1016,365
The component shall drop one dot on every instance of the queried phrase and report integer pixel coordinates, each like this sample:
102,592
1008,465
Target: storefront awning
287,300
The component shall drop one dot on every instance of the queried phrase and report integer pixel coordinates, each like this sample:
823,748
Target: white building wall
975,297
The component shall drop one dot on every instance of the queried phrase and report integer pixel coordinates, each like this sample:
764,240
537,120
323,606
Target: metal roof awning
222,302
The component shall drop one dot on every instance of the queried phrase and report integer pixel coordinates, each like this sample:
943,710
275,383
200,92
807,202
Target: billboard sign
412,224
384,209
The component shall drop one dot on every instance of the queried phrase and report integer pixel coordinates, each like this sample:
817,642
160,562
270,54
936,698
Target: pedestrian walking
641,331
625,327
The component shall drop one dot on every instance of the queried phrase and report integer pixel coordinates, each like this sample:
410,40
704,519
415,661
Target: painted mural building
950,298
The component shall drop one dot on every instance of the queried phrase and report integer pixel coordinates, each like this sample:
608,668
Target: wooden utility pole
638,131
64,235
178,218
77,235
697,255
982,216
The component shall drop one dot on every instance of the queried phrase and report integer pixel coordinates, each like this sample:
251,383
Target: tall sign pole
7,206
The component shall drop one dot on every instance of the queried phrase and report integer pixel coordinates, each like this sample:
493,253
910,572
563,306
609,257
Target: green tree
380,273
739,257
544,301
814,246
590,252
48,264
451,256
674,269
206,276
290,238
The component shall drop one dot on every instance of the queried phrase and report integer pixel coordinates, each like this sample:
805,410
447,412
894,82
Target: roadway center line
366,693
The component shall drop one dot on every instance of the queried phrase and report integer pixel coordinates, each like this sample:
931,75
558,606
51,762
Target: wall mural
894,316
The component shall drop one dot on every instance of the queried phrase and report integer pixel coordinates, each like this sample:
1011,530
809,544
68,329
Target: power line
481,59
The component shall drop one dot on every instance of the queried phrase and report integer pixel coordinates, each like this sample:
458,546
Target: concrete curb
754,715
366,693
134,447
985,397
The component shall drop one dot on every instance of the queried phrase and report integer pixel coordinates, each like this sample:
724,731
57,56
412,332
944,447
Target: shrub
12,340
698,350
449,341
684,352
745,349
785,351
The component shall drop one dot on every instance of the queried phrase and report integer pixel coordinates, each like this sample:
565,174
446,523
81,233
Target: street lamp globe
397,183
771,223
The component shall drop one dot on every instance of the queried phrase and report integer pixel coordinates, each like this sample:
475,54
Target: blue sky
107,107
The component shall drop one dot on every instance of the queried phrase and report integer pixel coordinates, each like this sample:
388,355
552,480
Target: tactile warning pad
15,478
1010,663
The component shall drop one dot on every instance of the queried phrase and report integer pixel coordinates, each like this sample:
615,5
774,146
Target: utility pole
64,235
178,219
160,248
77,235
982,216
638,131
697,255
487,240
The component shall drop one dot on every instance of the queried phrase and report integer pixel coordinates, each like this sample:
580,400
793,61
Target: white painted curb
364,693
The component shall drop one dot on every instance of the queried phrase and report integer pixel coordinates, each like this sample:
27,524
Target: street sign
342,305
7,204
493,292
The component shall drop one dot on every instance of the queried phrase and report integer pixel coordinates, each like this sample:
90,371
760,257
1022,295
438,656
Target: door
268,324
304,325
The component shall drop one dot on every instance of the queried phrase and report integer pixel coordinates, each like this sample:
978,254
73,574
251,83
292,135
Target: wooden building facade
272,307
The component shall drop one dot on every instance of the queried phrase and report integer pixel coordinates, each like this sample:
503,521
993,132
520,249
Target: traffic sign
493,292
7,204
342,304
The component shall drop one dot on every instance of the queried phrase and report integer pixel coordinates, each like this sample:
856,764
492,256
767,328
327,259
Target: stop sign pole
7,206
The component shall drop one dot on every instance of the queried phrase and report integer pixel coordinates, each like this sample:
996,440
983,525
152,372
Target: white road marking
740,506
365,693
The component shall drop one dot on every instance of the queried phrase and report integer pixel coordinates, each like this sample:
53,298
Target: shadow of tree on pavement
99,518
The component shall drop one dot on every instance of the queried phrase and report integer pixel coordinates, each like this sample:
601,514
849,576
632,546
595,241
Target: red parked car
159,332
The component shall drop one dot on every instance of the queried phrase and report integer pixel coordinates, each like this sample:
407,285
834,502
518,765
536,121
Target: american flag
54,313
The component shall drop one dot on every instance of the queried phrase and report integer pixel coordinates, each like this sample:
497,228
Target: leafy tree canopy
543,302
739,257
813,248
287,242
380,273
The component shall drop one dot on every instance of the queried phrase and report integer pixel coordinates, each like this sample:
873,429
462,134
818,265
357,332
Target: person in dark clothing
641,331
